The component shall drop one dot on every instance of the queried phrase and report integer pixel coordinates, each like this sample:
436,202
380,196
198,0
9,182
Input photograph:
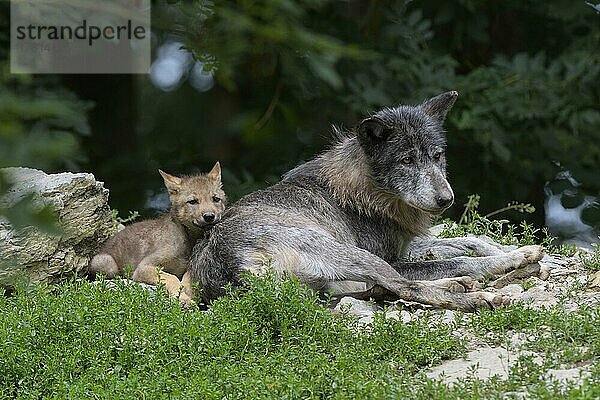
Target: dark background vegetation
284,70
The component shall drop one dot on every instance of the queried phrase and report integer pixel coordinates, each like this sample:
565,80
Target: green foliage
40,126
224,35
83,340
592,261
39,123
502,230
527,99
521,113
118,220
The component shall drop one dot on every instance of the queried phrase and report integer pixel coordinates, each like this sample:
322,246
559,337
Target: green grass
81,340
561,336
592,261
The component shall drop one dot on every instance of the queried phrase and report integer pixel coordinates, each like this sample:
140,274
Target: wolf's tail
208,268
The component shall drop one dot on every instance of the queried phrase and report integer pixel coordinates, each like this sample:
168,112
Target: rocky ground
557,281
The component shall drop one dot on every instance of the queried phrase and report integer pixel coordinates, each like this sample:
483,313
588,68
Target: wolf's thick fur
344,220
197,202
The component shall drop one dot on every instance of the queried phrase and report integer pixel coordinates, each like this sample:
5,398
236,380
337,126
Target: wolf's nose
443,201
208,217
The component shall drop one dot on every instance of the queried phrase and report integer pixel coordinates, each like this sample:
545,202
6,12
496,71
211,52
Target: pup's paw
186,301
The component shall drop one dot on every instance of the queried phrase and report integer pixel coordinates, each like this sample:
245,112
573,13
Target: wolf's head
405,152
197,201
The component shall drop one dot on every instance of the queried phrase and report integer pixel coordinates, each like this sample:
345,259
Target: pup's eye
216,199
437,156
407,160
193,201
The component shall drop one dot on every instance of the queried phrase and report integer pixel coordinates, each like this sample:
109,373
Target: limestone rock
481,363
575,374
352,306
513,290
537,297
81,206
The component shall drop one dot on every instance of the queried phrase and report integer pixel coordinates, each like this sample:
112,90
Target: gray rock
448,317
394,314
398,315
81,205
537,297
352,306
554,261
564,375
560,271
513,290
406,316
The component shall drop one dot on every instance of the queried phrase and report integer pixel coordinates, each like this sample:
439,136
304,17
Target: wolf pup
159,249
343,221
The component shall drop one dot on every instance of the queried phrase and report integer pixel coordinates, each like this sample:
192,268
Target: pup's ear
438,106
173,183
372,130
215,172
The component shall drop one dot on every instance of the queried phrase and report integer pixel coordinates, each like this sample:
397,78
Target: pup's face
405,147
198,201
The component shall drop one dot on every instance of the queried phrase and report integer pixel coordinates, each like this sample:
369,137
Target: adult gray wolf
343,220
197,202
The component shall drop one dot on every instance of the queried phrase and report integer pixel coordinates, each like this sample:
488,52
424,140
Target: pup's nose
444,201
208,217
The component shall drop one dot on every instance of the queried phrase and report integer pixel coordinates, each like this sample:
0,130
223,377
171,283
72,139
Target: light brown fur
159,249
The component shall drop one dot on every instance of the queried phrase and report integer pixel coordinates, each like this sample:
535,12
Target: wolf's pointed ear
438,106
173,183
215,172
372,130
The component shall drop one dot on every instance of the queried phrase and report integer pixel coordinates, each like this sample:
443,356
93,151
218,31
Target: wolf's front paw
477,300
460,284
527,255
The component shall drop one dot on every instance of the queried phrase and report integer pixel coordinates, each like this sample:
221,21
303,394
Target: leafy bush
528,99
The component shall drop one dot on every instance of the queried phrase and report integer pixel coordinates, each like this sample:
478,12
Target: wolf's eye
437,156
407,160
192,201
216,199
